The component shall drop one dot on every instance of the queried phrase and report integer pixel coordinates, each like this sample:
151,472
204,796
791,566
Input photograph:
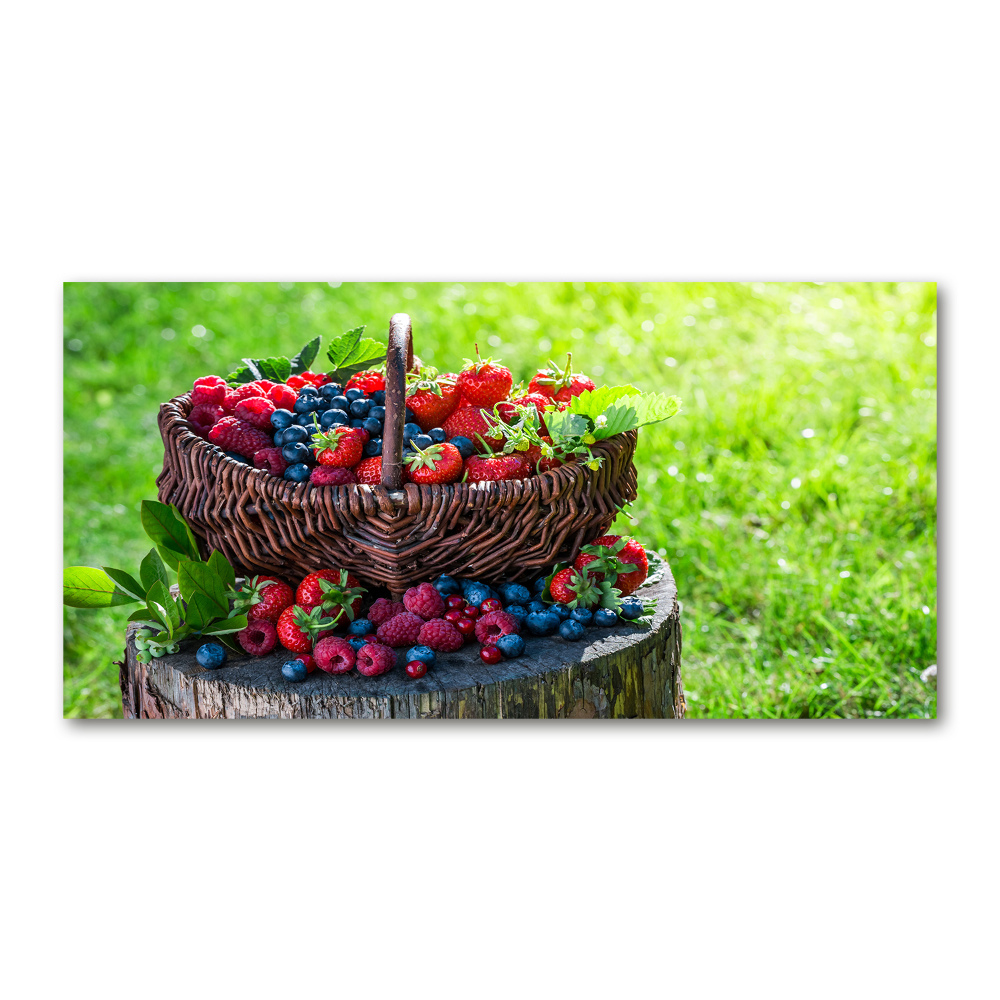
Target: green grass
794,496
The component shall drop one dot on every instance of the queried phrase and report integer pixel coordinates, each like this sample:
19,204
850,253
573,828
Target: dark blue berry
297,473
465,447
446,585
331,417
423,654
295,452
541,623
305,404
571,630
536,607
514,593
357,422
437,435
236,457
279,438
361,626
305,418
511,646
308,390
340,403
562,610
322,405
582,615
211,655
476,594
373,447
294,670
422,441
295,433
519,611
330,390
354,393
410,431
604,617
631,608
378,412
540,584
408,415
378,397
360,408
355,642
373,426
281,419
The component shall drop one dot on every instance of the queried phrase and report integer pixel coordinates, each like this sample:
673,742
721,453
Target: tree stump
628,671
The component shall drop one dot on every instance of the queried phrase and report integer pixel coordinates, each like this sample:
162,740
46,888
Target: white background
471,141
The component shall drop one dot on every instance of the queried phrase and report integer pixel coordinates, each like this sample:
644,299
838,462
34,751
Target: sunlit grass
794,497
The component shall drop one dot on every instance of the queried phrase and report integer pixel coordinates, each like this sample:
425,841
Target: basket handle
399,359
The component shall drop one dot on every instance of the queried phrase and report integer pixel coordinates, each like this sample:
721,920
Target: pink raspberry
233,434
208,390
204,417
382,610
334,655
256,411
374,659
237,395
491,626
265,385
283,397
441,636
425,601
401,630
270,460
331,475
259,637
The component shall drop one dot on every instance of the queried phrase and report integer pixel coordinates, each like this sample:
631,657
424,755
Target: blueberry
582,615
297,473
362,626
477,594
519,611
540,584
424,654
305,418
236,457
360,407
321,405
562,610
355,642
296,452
378,412
511,646
422,441
211,655
370,424
631,608
374,447
536,607
305,404
311,429
541,623
281,419
308,390
515,593
571,630
353,394
438,435
279,438
410,431
604,617
331,417
409,415
446,585
465,447
340,403
378,397
330,390
294,670
357,422
294,433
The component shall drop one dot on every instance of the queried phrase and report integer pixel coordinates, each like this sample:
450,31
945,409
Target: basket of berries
398,473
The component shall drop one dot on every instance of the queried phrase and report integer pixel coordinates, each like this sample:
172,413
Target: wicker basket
392,535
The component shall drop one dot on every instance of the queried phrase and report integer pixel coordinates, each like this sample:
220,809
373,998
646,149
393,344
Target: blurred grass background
794,496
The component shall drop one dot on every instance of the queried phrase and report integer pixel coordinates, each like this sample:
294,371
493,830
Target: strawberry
432,397
340,446
369,470
475,424
561,384
299,629
263,597
578,590
335,590
624,557
536,399
437,463
484,383
369,381
496,468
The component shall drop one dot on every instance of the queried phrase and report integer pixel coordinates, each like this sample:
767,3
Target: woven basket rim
281,489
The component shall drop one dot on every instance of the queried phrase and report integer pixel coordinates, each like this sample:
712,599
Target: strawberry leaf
301,362
351,353
594,402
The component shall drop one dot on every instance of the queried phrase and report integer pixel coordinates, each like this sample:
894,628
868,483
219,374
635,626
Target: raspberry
369,471
441,636
374,659
210,389
237,395
491,626
270,460
256,411
259,637
204,417
424,601
331,475
233,434
382,610
401,630
334,655
265,385
282,397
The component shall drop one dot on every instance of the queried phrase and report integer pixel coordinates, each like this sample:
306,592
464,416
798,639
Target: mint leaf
301,362
352,353
241,375
88,587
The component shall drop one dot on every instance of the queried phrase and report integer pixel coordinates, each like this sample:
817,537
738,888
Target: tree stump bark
628,671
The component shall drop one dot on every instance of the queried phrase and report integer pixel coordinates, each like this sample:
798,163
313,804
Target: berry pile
322,620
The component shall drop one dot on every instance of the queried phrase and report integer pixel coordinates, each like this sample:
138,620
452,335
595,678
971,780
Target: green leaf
274,369
594,402
88,587
352,353
163,606
152,569
221,567
168,530
653,407
235,624
563,424
240,376
141,615
200,578
616,419
301,362
126,583
199,611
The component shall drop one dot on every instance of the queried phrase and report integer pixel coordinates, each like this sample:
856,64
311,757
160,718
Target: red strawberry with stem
496,468
476,424
369,470
579,590
484,383
263,597
339,446
299,629
561,384
432,397
621,560
437,463
332,588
